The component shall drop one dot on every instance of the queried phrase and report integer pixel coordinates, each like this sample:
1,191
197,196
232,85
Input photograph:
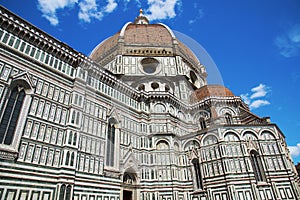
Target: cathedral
134,120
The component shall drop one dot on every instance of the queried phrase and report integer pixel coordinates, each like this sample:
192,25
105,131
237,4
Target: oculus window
150,65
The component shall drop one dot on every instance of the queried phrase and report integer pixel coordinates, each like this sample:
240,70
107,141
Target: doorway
127,195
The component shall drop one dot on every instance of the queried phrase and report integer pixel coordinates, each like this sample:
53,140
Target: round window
141,87
154,85
149,65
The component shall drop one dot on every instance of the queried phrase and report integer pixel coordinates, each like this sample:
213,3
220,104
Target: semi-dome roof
141,38
210,91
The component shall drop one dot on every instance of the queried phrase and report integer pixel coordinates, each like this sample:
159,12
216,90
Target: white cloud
258,103
97,9
260,92
288,43
295,150
49,7
88,9
111,6
161,9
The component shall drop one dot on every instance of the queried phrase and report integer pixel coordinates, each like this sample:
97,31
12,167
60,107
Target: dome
141,50
210,91
142,39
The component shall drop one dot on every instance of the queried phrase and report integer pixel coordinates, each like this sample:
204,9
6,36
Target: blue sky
255,44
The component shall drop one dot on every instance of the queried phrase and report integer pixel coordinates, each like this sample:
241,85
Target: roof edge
124,29
170,31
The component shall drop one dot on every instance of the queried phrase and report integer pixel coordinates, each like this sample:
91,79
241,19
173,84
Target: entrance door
127,195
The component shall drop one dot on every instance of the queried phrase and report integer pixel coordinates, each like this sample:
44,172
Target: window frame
198,175
22,82
257,166
110,159
10,115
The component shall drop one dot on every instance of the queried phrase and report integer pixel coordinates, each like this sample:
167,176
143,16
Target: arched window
65,192
74,138
198,176
77,118
62,192
193,77
70,137
152,174
67,158
72,159
228,118
202,123
68,192
10,115
110,147
257,166
73,117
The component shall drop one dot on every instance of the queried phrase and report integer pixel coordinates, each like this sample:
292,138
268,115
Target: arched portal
129,186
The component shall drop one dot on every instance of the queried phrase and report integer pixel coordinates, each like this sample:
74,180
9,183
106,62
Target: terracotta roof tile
210,91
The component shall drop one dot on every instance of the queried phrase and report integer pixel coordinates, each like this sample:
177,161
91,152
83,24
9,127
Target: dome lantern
141,19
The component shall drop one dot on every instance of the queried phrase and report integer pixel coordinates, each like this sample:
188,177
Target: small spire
141,11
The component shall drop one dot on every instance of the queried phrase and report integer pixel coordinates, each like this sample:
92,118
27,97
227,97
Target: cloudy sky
253,46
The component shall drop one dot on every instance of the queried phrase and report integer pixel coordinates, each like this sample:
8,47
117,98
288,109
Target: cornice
29,33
